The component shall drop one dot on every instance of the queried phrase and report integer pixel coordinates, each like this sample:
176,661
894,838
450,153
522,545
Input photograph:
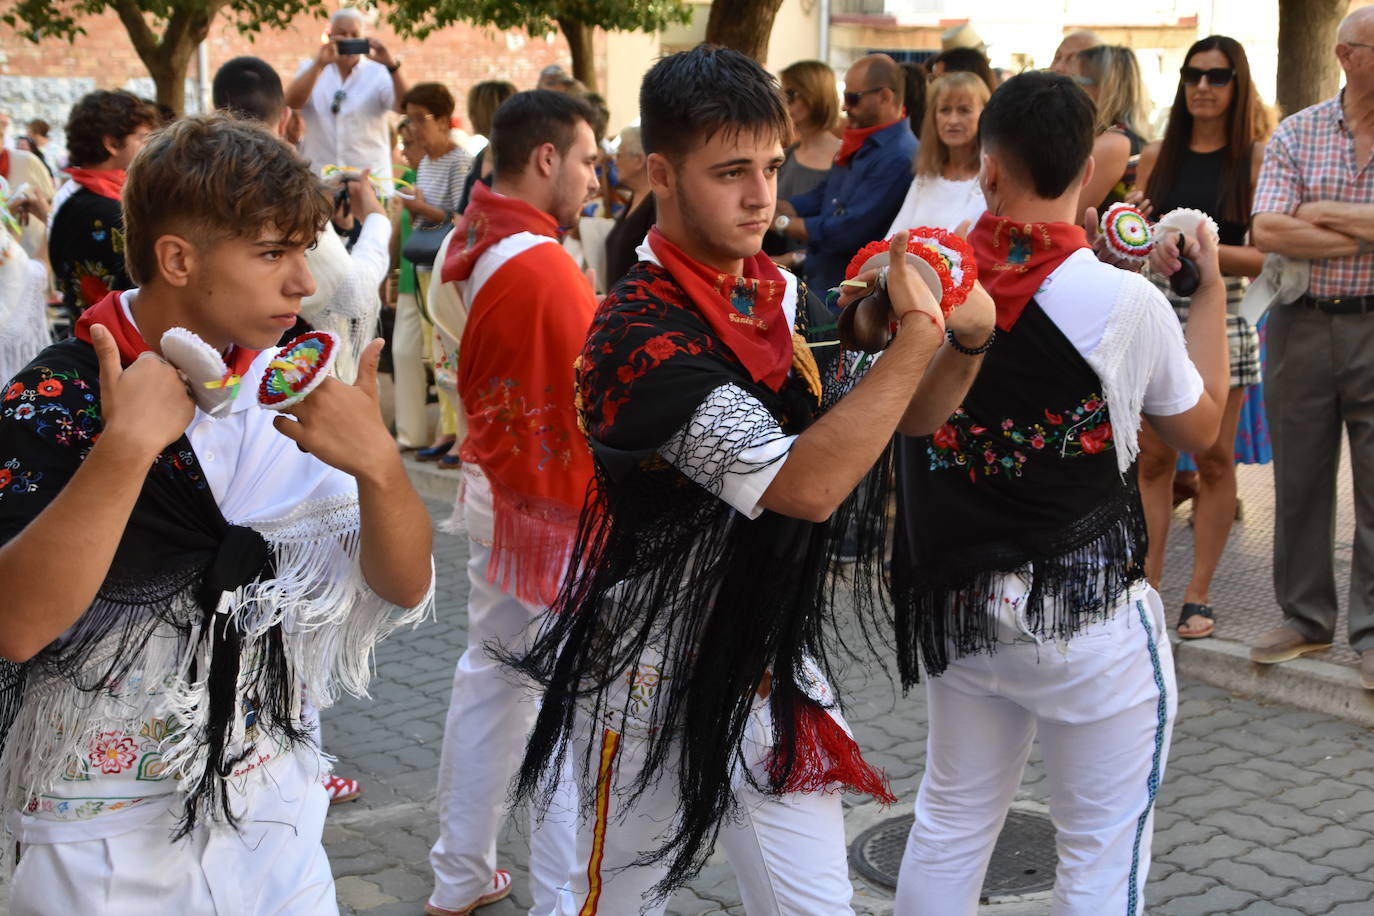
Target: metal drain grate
1023,861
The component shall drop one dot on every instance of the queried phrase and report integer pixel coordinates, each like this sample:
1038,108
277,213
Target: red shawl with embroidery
525,328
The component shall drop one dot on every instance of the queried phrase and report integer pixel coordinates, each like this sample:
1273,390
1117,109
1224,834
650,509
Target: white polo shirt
357,136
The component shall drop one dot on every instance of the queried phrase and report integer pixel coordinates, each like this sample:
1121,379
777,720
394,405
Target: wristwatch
782,222
394,67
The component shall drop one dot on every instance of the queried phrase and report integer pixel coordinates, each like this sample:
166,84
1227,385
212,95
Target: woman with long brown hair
1208,160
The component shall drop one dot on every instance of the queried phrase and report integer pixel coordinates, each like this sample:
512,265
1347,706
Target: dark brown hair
1236,191
213,177
101,114
528,120
433,98
917,78
966,60
689,97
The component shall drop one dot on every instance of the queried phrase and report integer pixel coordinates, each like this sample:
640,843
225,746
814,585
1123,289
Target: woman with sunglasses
1209,160
1110,75
808,87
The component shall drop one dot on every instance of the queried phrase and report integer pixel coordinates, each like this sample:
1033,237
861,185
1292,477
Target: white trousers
489,717
788,853
408,374
1103,705
275,863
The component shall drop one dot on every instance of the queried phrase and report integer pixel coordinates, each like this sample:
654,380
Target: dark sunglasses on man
852,98
1216,76
338,101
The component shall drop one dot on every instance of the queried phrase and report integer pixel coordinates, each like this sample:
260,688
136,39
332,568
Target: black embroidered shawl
667,566
86,247
1024,472
176,558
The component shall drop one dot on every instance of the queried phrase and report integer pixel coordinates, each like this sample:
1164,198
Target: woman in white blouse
945,190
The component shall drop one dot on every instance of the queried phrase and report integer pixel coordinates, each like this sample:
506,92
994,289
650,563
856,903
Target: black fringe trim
1080,574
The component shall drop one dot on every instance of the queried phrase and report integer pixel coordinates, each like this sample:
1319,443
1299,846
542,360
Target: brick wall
43,80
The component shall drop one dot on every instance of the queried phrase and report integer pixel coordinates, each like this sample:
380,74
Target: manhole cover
1023,861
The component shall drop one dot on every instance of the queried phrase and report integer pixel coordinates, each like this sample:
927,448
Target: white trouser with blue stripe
1103,705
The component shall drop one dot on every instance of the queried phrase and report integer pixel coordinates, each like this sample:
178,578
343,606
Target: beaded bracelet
971,351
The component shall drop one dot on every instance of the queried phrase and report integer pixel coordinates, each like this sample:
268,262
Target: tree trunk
580,38
170,81
743,25
168,58
1308,71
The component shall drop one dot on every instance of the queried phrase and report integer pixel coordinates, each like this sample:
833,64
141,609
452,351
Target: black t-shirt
625,236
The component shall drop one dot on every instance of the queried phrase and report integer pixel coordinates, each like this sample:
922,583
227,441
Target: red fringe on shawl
828,757
531,542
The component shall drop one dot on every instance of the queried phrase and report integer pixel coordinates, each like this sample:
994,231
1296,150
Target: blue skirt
1252,432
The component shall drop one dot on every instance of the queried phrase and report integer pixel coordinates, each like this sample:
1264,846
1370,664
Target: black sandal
1195,610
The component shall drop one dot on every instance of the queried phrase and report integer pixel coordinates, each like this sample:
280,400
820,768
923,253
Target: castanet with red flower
943,260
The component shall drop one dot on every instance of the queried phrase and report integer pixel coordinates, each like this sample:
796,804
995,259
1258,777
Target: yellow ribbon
229,381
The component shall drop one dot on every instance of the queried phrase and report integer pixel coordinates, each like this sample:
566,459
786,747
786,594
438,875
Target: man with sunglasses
1315,202
344,98
866,184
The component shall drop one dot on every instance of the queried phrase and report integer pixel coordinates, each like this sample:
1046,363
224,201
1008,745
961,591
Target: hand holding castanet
146,404
341,424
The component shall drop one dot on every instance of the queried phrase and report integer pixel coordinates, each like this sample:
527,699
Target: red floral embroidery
112,752
1095,440
5,477
14,391
660,347
50,388
962,443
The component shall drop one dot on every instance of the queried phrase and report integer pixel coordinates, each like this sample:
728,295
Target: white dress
936,201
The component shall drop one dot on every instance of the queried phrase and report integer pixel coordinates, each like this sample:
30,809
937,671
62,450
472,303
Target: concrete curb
1317,686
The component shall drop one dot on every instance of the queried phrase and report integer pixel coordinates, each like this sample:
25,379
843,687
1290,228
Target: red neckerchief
110,313
4,164
105,182
488,219
854,138
1014,258
745,312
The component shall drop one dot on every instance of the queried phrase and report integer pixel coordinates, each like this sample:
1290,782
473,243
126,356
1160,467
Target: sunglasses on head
852,98
1217,76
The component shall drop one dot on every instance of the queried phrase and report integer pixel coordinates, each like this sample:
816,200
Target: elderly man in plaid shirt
1315,201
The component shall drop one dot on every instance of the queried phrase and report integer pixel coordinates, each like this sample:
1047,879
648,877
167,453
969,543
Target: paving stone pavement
1264,809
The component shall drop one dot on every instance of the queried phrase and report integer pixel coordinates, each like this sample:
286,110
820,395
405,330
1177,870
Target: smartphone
353,45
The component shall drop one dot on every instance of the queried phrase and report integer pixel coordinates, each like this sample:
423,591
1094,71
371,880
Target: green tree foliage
165,33
576,19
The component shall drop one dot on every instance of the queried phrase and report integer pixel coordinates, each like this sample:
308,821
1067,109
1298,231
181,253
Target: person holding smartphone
343,94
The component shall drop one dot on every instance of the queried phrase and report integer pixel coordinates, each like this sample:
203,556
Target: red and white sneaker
500,891
341,790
